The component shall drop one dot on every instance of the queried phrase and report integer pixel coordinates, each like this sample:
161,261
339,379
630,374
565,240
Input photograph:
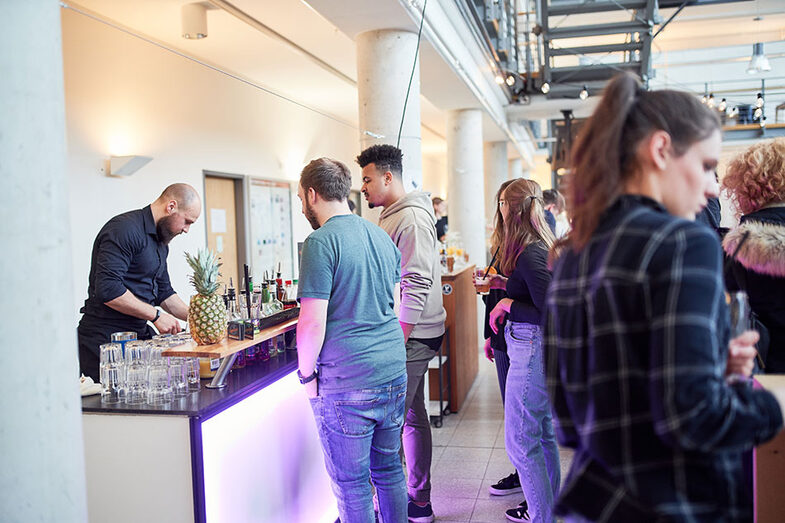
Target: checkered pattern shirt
636,338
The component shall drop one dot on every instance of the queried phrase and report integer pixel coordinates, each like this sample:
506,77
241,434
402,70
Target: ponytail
604,157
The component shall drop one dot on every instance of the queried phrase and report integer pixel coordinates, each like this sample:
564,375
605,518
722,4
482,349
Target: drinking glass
136,357
112,373
122,338
178,376
159,388
740,322
192,373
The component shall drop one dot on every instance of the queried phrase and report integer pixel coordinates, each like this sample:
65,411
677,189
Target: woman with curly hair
755,182
529,437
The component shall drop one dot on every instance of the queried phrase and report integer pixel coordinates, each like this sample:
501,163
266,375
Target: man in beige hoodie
410,222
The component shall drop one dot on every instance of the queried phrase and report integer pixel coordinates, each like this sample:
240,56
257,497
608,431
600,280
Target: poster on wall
271,228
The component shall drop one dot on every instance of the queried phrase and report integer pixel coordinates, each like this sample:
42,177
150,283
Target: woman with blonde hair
529,437
636,325
755,182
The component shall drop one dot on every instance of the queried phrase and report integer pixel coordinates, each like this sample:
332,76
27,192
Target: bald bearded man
129,278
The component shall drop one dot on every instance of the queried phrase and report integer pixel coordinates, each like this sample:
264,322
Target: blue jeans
360,432
529,436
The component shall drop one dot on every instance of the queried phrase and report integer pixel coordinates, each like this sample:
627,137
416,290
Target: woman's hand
498,313
488,350
741,354
498,281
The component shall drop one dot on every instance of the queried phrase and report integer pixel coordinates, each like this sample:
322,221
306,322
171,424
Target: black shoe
509,485
418,514
520,513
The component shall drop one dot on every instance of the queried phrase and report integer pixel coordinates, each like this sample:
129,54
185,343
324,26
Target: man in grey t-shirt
350,347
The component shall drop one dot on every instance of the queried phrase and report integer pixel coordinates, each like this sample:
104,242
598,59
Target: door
219,202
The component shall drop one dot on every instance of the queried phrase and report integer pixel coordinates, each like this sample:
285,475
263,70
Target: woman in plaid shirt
636,326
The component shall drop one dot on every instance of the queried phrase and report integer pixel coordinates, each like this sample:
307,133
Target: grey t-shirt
354,264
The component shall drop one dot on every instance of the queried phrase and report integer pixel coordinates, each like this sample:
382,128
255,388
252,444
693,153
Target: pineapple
207,312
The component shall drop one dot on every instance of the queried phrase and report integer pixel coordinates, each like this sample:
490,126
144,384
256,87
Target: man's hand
167,324
312,388
488,350
498,314
407,330
741,354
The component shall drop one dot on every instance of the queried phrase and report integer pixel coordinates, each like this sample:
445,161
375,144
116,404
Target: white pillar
466,205
496,173
384,65
43,476
516,168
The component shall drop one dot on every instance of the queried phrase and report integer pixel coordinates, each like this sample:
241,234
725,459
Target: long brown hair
525,222
498,221
604,155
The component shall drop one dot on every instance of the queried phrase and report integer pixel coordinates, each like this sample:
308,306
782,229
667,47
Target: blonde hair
525,222
756,177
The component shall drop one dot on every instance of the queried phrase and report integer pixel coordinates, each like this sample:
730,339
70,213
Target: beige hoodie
411,224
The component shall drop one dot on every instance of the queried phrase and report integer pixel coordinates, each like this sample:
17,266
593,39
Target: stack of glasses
138,373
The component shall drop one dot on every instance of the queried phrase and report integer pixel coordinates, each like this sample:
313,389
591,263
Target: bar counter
245,452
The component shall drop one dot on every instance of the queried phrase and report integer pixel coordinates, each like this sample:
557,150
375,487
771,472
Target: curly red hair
756,177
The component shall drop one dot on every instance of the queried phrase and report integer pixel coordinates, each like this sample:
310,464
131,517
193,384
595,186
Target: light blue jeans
360,432
529,438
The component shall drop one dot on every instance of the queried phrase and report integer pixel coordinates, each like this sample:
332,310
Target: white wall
127,96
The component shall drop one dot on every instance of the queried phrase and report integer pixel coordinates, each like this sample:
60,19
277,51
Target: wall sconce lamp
124,165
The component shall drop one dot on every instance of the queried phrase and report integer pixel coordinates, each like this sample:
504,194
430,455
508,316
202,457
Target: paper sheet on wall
218,221
271,228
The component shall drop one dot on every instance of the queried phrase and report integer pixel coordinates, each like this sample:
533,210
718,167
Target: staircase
602,50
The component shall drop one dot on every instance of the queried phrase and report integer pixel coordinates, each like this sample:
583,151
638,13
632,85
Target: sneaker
509,485
519,513
418,514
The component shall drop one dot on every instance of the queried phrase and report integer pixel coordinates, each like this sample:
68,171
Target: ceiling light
723,105
499,79
704,99
510,80
545,88
710,102
758,63
194,19
584,94
759,100
758,113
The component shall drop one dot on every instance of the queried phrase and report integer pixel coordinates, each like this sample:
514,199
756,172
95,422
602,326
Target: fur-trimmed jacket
759,269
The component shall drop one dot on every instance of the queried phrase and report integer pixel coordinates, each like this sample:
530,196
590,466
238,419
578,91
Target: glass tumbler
178,376
159,388
112,373
739,313
192,374
136,356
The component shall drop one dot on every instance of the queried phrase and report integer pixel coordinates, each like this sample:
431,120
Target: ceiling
292,68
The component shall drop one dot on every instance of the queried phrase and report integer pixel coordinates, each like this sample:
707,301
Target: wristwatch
307,379
157,315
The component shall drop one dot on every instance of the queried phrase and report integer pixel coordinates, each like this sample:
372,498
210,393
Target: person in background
409,220
495,348
352,207
440,211
129,278
350,351
755,182
636,325
555,205
711,215
528,431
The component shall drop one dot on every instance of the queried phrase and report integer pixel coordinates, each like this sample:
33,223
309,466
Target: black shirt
528,284
441,227
127,255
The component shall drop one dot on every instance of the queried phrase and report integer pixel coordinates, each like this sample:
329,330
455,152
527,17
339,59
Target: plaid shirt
636,333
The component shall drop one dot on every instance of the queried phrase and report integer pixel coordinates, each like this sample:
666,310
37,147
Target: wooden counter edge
455,274
226,346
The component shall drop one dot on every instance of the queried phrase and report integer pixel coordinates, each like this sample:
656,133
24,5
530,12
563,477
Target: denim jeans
529,436
360,432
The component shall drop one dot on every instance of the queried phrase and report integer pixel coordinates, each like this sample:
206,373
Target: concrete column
496,173
466,205
43,476
384,65
516,168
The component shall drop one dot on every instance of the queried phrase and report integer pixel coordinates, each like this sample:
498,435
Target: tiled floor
469,456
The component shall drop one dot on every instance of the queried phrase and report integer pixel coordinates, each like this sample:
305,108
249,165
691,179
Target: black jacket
760,271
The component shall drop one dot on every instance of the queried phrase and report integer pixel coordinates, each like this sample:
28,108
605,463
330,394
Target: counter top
240,383
457,272
226,346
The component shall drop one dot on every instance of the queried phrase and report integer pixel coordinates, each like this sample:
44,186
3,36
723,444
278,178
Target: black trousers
93,332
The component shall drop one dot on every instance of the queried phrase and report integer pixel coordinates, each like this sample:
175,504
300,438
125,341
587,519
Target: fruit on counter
207,312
